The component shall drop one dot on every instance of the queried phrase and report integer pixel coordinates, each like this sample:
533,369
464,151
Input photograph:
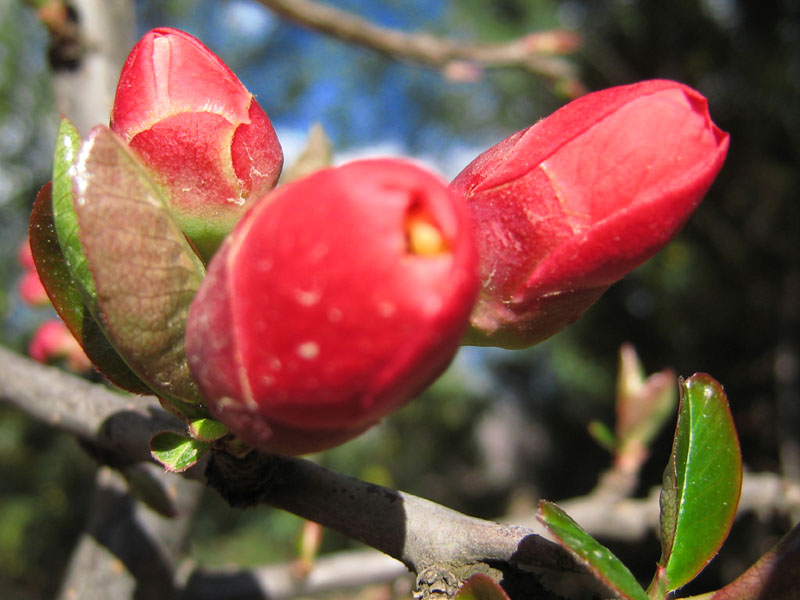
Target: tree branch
417,532
87,51
128,551
116,422
536,53
420,533
334,572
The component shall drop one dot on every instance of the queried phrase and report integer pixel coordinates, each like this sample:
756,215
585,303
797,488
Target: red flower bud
31,289
52,342
333,302
25,255
203,135
572,204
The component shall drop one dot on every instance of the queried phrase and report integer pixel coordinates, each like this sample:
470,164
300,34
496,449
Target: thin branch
634,519
116,422
628,520
536,53
86,54
334,572
128,551
417,532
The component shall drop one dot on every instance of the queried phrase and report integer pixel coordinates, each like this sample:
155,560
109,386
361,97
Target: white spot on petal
307,298
308,350
334,315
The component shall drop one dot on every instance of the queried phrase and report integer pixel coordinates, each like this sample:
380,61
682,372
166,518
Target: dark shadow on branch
118,557
114,524
365,512
241,585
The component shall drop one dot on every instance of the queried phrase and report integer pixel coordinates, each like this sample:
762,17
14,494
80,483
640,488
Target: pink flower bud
203,135
25,256
52,342
572,204
333,302
31,289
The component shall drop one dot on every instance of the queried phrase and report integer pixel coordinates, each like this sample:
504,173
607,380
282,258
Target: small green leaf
775,576
68,301
144,271
481,587
207,429
603,436
702,481
599,559
176,452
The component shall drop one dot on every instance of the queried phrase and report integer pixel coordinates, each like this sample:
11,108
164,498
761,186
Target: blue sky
367,105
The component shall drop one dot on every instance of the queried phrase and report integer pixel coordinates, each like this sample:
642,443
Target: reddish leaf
481,587
776,575
68,301
144,271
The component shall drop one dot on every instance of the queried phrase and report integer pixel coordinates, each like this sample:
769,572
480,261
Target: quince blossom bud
334,301
569,206
52,342
202,134
31,289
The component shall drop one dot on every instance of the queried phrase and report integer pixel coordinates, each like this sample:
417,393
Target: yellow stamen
422,236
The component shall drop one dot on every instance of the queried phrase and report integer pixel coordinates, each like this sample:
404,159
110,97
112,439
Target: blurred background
501,429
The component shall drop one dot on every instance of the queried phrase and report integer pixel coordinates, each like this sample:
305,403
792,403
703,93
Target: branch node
241,481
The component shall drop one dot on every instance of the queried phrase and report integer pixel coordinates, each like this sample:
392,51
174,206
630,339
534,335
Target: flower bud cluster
331,301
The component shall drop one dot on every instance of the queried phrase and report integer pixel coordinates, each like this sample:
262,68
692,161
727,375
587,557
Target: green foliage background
502,428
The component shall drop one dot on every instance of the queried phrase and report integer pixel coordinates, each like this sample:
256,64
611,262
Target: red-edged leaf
176,452
481,587
599,559
702,481
776,575
145,272
68,301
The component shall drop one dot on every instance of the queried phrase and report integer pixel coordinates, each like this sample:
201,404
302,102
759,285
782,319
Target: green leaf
599,559
144,271
68,301
481,587
775,576
176,452
207,429
603,436
702,481
68,143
